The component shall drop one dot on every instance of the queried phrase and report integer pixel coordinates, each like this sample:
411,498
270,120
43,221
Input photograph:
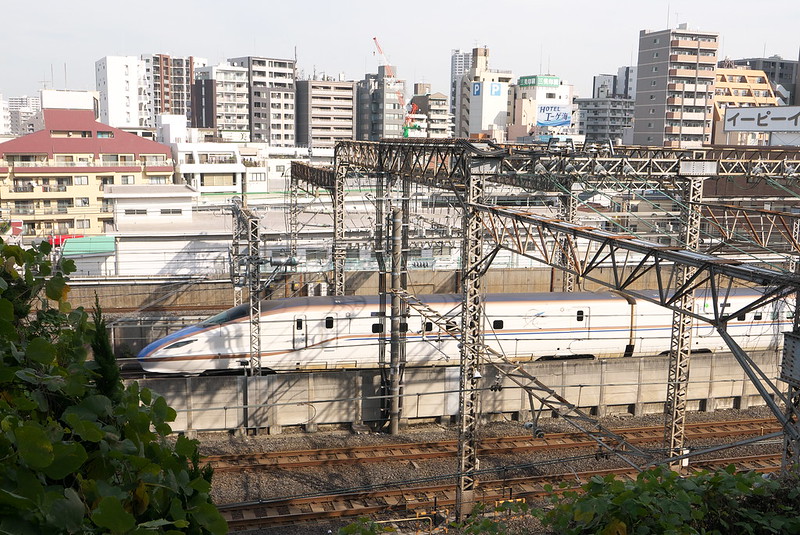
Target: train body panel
344,332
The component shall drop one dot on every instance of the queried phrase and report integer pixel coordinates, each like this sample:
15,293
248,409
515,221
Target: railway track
427,500
495,446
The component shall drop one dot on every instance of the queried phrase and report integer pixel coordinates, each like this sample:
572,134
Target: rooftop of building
77,131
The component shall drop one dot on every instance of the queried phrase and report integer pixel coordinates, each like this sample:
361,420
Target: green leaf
185,446
6,310
208,517
87,430
56,289
15,500
34,446
68,458
40,350
155,524
110,515
68,512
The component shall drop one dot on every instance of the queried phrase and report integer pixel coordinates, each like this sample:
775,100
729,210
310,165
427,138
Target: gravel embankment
266,484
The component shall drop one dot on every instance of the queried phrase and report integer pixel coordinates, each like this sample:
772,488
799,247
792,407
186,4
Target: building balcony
686,130
700,88
693,73
693,58
686,116
691,44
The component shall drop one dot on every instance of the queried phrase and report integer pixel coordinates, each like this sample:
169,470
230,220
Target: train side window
298,324
377,328
579,315
403,327
497,324
428,326
329,322
789,314
756,316
741,317
451,326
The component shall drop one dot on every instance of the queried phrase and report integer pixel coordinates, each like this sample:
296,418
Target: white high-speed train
314,333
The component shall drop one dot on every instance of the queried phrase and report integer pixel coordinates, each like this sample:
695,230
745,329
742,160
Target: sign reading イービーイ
763,119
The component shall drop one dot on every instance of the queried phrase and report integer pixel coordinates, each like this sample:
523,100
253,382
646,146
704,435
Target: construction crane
401,99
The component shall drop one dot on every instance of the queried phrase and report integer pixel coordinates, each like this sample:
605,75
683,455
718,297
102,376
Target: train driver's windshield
229,315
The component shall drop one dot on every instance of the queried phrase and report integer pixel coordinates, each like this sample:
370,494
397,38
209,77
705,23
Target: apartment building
5,118
20,110
440,122
134,90
460,63
325,112
483,99
54,180
782,74
122,84
272,98
220,101
735,88
675,87
380,105
169,81
606,118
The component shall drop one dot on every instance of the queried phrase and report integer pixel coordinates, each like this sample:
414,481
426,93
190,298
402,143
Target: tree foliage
661,501
80,453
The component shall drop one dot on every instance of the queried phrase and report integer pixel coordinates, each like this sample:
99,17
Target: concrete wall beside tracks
632,386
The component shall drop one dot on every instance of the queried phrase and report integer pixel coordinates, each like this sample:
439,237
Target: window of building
171,211
102,134
258,177
157,180
280,168
82,223
655,69
82,201
653,83
80,180
135,211
127,179
655,54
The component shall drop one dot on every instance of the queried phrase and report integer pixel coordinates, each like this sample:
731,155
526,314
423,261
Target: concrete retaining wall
634,386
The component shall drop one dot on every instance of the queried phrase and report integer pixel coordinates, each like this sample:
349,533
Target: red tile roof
41,142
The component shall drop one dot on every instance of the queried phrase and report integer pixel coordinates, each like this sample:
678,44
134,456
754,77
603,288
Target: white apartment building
220,100
675,87
483,104
460,63
325,112
20,110
5,118
272,98
134,90
121,82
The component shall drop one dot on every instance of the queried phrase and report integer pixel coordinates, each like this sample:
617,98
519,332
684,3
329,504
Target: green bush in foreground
660,501
80,453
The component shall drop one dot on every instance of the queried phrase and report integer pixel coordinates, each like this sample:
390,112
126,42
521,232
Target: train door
331,330
577,318
300,332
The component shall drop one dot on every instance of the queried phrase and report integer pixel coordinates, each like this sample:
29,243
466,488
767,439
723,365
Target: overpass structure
466,168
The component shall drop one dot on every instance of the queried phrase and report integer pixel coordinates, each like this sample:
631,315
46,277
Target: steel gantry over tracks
464,168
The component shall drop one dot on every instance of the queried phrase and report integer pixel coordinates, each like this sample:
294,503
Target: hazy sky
56,41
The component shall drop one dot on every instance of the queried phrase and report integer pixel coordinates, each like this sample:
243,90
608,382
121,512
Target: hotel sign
763,119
